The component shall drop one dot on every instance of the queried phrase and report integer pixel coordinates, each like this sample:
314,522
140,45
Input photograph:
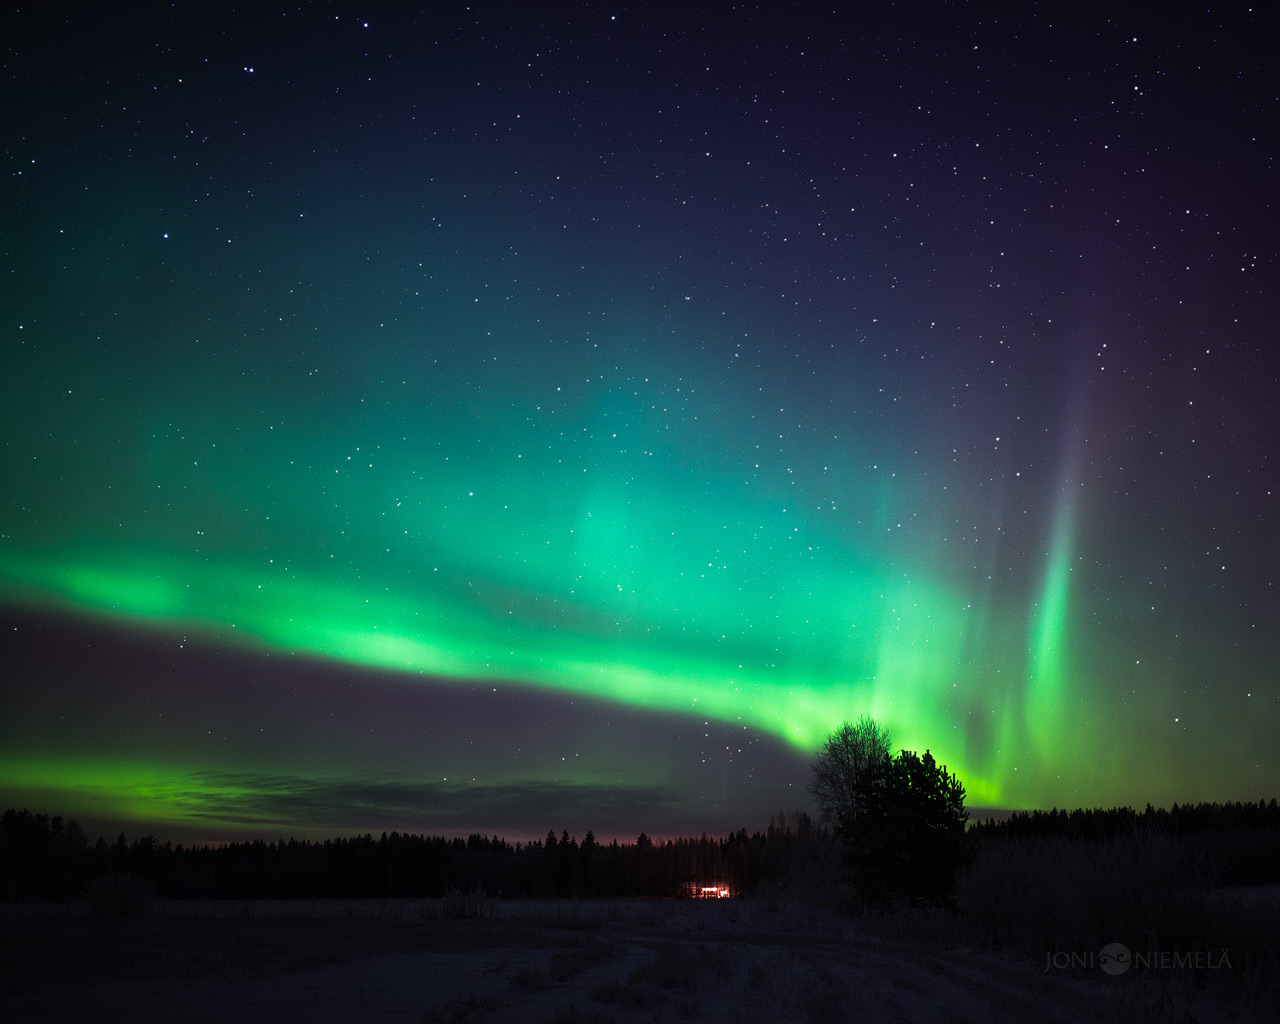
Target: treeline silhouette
1240,842
49,859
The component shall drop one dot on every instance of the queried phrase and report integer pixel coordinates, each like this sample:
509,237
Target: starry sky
515,416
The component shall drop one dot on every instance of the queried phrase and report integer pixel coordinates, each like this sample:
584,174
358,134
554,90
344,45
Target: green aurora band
721,565
783,621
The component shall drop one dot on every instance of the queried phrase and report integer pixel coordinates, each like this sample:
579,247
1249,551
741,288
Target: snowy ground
713,961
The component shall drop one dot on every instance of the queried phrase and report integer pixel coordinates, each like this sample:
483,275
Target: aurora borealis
504,419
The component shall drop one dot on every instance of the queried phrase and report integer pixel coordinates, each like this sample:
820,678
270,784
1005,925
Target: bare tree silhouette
842,765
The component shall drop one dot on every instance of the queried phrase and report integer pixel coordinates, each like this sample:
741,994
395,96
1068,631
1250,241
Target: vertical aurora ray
1047,668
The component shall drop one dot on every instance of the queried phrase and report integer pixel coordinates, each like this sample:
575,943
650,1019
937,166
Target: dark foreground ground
724,961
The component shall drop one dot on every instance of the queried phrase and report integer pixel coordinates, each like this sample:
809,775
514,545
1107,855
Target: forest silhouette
51,859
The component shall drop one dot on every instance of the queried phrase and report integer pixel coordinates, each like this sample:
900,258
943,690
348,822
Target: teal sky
572,429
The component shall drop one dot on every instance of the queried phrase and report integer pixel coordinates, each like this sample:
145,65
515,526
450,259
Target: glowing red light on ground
708,892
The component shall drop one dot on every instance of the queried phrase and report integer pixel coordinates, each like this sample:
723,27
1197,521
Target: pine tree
908,839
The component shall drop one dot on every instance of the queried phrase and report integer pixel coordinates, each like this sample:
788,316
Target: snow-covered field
713,961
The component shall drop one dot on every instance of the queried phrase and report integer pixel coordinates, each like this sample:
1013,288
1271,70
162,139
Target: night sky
524,416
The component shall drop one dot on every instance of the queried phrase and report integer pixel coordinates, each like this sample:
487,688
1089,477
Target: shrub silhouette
472,905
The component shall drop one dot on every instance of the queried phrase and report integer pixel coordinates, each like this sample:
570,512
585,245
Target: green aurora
615,583
543,416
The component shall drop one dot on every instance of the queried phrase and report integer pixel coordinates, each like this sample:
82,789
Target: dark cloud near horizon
342,806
